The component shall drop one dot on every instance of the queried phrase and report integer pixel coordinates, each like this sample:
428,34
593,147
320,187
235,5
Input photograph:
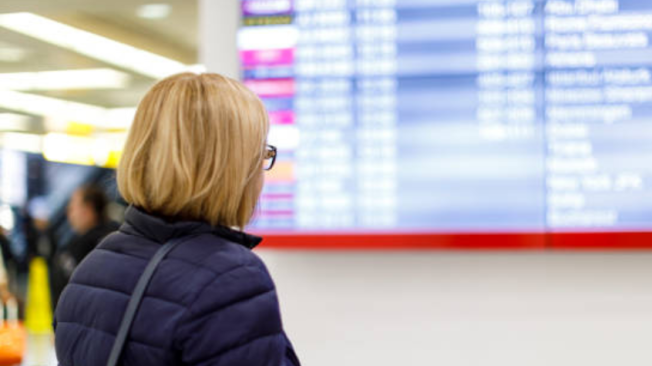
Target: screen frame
225,59
557,241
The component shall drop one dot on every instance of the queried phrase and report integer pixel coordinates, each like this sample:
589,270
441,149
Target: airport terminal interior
455,182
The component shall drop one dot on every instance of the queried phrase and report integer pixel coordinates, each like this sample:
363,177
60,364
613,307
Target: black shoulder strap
136,298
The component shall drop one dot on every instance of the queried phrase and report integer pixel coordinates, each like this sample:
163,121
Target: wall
218,28
454,309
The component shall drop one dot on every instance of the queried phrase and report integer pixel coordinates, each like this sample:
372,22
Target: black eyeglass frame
270,153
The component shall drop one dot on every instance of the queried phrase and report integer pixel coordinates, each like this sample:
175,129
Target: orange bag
13,338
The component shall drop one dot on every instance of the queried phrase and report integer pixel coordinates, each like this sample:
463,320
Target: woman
192,168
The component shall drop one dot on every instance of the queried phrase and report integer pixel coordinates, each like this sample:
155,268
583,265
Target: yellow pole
38,314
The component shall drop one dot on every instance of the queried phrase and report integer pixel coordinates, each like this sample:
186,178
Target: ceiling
174,37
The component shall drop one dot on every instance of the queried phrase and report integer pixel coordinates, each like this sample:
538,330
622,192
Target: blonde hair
195,150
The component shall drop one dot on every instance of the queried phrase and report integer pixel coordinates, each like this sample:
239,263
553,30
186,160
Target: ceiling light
14,122
119,118
22,142
63,111
91,45
11,53
65,80
69,149
101,150
50,107
154,11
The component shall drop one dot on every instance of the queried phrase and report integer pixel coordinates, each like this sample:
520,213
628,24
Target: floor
40,351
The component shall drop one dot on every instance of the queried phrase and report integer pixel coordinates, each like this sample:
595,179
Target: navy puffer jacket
211,301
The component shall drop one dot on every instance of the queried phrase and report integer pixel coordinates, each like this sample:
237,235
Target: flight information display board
454,116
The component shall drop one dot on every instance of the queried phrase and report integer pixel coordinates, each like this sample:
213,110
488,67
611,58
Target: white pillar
218,28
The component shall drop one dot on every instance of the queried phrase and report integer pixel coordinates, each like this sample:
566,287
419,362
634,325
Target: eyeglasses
270,157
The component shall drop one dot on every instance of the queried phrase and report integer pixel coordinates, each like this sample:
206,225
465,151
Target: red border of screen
462,241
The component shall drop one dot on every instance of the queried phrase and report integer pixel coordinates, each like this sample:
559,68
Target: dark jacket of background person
211,301
88,218
66,260
82,245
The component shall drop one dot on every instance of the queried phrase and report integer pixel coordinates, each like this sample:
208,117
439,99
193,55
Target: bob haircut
195,150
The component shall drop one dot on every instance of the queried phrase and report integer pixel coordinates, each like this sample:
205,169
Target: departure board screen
453,115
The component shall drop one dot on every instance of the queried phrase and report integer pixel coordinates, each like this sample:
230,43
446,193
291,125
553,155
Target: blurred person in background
87,215
192,170
5,293
39,238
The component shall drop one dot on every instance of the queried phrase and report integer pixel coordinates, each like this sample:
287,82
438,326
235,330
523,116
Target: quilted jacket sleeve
235,321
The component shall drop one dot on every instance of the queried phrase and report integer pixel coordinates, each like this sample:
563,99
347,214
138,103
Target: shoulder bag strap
136,298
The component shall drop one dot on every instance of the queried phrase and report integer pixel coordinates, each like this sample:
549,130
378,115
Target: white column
218,28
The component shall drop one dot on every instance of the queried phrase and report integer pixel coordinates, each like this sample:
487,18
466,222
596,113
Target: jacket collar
138,222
